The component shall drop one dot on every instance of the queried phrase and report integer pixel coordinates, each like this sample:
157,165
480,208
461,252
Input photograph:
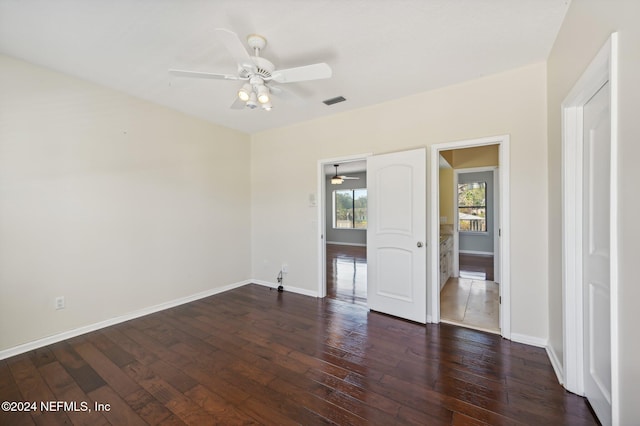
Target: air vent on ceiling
335,100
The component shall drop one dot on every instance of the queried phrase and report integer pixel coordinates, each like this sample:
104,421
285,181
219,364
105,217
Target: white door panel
394,213
596,252
393,269
396,232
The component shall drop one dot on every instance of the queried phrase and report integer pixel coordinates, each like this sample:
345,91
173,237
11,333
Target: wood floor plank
34,389
264,403
320,406
370,398
42,356
462,420
85,376
150,409
9,391
66,389
137,351
114,352
369,412
179,404
110,373
8,387
151,345
119,412
142,402
173,376
255,356
221,411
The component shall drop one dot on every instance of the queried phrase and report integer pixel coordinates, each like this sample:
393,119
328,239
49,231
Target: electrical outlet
285,268
59,302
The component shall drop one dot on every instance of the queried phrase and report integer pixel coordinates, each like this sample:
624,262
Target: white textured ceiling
378,49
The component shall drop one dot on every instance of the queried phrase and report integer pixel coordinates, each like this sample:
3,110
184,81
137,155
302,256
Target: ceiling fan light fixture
267,106
336,180
245,92
251,103
263,94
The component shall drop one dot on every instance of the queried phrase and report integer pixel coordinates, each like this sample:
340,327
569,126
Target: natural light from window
350,209
472,207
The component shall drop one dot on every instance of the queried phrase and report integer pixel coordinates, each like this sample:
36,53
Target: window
472,207
350,209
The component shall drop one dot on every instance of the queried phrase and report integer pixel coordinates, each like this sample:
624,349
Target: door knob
419,243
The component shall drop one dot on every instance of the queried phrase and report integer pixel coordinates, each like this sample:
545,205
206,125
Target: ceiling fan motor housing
264,67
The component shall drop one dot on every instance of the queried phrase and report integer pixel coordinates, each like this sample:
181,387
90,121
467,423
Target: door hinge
499,232
500,300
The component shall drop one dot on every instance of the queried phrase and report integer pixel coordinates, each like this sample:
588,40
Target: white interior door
596,252
396,234
496,228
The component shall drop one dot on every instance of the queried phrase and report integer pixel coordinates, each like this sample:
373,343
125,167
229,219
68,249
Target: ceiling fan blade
348,177
236,48
238,104
201,74
304,73
287,95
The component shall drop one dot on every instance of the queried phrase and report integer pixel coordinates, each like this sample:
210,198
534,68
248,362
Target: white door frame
602,69
434,224
322,219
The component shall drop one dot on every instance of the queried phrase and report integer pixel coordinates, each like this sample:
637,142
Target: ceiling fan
257,72
337,180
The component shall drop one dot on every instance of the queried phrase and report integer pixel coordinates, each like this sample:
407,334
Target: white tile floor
471,303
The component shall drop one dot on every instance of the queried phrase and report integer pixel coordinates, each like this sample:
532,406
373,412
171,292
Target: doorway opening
469,234
343,224
470,294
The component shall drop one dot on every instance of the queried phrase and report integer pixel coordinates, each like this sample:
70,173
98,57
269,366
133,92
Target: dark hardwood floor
476,264
256,356
347,273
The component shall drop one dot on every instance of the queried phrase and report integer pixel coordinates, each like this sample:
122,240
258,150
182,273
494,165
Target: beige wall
115,203
587,26
446,194
284,173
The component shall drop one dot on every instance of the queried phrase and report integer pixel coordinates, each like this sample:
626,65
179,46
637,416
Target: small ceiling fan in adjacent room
337,180
258,73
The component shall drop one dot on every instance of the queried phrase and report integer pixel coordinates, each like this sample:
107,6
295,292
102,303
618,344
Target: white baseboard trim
336,243
298,290
480,253
529,340
35,344
555,363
